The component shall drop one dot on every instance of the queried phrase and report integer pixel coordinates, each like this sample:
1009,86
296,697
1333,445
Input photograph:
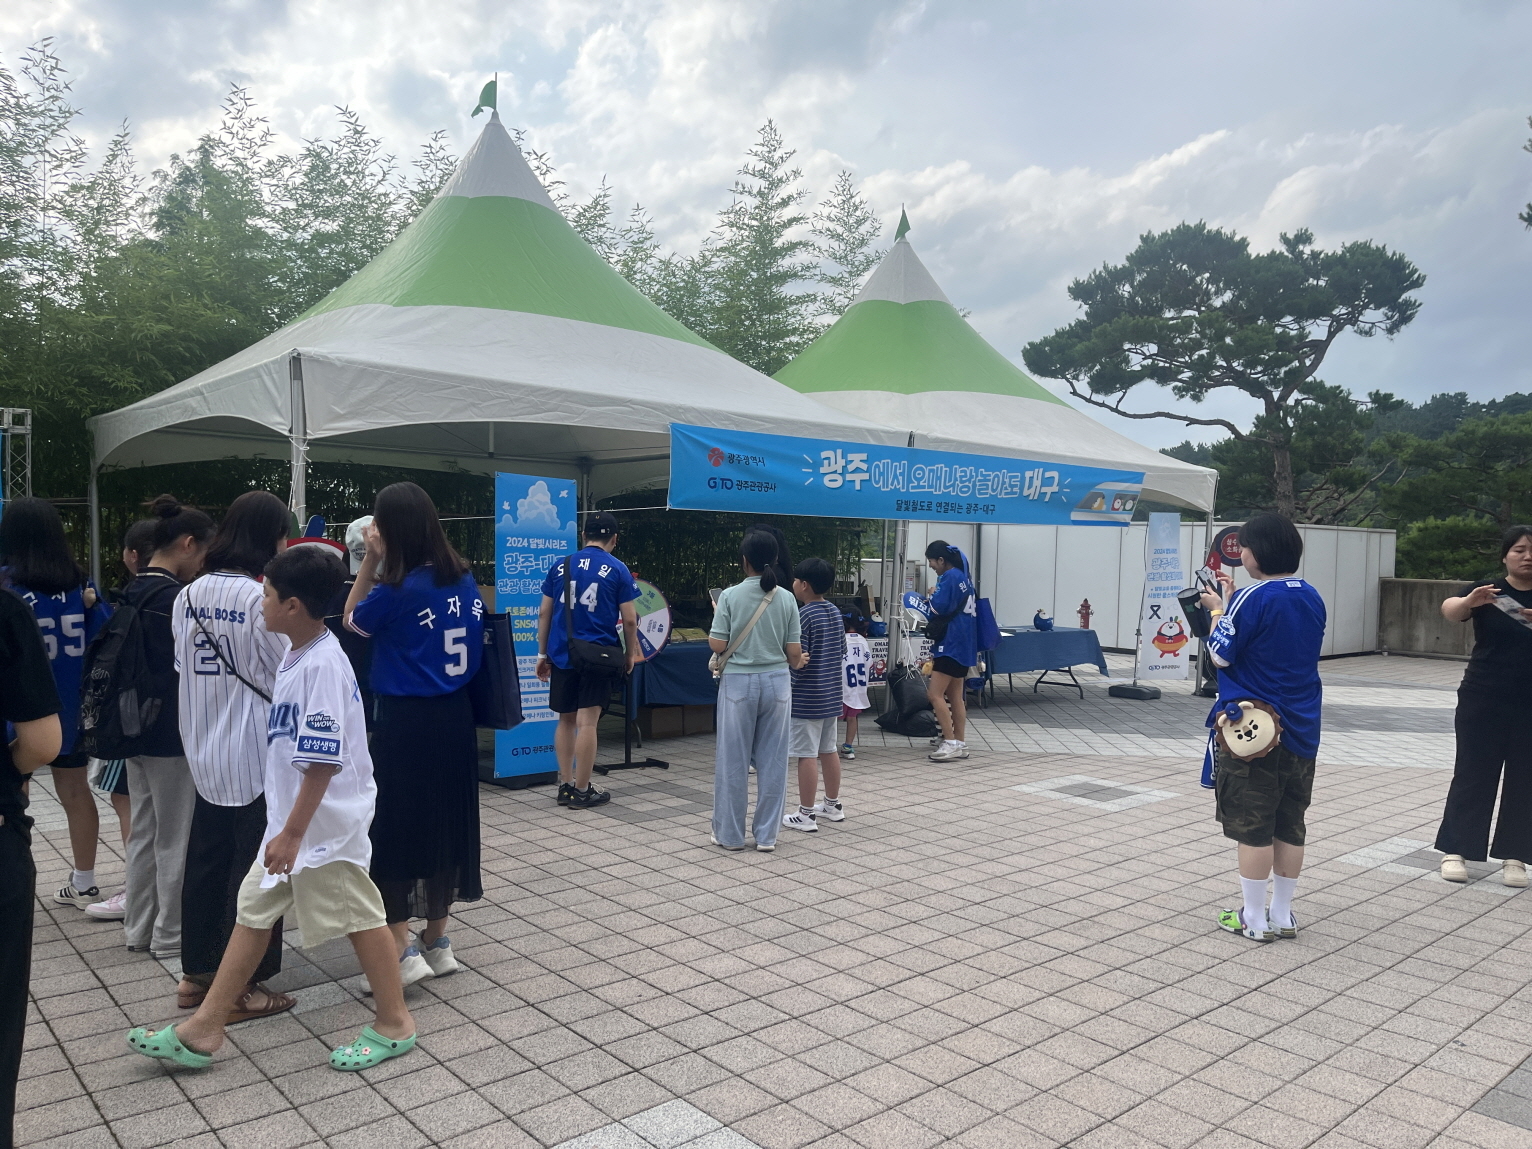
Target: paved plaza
1018,950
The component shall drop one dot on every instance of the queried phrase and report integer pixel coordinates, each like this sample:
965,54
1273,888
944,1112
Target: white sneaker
798,820
830,811
947,752
114,909
963,746
412,968
79,899
438,955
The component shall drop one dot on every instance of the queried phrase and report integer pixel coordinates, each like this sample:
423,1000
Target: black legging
1491,737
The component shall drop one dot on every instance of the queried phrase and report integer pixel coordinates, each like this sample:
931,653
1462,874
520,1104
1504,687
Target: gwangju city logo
715,456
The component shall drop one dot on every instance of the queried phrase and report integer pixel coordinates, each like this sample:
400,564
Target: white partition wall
1022,568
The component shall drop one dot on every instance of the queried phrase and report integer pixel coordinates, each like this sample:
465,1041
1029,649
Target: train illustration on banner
1107,503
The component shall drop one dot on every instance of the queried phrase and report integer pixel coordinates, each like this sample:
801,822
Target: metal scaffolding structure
15,453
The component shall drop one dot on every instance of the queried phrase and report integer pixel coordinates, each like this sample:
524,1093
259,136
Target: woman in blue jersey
415,598
955,647
38,566
1265,642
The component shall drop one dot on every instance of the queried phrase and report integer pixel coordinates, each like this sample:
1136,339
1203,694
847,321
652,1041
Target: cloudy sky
1029,141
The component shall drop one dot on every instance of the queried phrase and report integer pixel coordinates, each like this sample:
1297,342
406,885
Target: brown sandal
190,999
275,1003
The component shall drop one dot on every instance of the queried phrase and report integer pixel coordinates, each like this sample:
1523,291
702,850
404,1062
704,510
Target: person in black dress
1493,700
30,702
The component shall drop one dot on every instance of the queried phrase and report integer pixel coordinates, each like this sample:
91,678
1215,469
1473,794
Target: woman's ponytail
759,550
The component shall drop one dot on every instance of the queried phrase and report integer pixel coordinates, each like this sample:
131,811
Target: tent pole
298,438
93,497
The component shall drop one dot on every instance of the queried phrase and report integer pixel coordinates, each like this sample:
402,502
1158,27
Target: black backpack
120,696
909,710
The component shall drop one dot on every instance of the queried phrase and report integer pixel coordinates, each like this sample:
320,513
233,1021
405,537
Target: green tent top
903,356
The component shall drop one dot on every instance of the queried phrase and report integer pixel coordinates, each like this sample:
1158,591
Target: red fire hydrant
1085,613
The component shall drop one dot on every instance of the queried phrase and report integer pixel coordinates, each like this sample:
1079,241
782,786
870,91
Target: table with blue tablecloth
1026,648
676,676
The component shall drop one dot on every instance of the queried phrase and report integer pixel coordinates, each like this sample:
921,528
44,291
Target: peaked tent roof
487,333
903,355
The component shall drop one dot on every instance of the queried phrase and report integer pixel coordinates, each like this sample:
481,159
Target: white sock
83,880
1282,891
1255,903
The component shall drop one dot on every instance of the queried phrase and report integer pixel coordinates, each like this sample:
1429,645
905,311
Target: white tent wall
1022,568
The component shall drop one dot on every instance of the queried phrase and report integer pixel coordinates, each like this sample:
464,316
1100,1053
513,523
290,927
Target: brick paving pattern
1017,950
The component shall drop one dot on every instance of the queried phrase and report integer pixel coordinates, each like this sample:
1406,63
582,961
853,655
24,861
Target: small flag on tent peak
904,226
488,96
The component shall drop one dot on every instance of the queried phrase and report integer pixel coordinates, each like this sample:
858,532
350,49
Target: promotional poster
535,527
1167,643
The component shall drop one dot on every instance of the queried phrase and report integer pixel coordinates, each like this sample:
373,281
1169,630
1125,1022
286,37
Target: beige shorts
327,902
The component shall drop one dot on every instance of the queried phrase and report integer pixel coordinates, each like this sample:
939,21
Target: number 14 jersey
601,584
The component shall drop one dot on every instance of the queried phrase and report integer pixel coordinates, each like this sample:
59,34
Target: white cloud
536,511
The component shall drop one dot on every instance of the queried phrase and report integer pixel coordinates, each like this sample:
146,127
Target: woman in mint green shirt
755,697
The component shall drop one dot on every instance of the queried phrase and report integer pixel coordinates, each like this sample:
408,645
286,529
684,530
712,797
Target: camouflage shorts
1264,798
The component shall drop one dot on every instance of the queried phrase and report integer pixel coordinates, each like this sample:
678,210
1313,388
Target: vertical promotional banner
1168,643
535,527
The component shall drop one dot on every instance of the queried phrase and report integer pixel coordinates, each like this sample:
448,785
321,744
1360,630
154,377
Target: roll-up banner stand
536,524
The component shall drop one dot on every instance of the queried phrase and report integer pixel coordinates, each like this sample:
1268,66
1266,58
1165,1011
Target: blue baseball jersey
954,592
1266,647
67,627
427,640
601,584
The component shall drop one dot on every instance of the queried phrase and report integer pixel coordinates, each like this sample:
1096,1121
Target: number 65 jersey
427,639
220,637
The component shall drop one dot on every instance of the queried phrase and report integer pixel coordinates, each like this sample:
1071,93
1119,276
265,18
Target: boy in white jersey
856,669
319,801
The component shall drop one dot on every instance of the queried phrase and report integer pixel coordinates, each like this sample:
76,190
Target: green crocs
1234,922
372,1048
165,1045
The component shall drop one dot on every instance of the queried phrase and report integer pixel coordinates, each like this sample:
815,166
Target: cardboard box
661,721
698,719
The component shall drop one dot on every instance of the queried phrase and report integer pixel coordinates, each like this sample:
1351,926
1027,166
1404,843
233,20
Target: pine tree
758,268
845,230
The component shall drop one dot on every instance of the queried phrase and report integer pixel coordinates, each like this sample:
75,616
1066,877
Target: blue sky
1030,142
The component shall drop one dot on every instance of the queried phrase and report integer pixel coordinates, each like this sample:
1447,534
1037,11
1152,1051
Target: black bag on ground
909,710
120,694
495,691
588,657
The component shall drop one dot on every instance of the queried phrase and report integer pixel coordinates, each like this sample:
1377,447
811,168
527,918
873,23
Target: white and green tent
488,336
903,356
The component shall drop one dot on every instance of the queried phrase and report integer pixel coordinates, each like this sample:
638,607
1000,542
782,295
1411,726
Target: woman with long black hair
36,563
954,632
228,665
416,599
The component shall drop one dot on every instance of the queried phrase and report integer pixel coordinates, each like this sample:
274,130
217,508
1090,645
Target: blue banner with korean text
716,470
535,526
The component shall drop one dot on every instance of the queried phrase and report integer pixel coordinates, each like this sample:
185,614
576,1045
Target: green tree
760,262
1194,311
1460,546
1483,470
845,231
1526,216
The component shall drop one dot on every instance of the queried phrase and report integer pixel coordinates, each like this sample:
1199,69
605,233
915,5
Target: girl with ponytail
756,632
954,632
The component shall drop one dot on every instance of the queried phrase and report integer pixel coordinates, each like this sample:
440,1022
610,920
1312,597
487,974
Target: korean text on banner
716,470
1167,639
534,528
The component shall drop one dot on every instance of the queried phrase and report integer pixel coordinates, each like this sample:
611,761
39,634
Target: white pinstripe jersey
223,721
